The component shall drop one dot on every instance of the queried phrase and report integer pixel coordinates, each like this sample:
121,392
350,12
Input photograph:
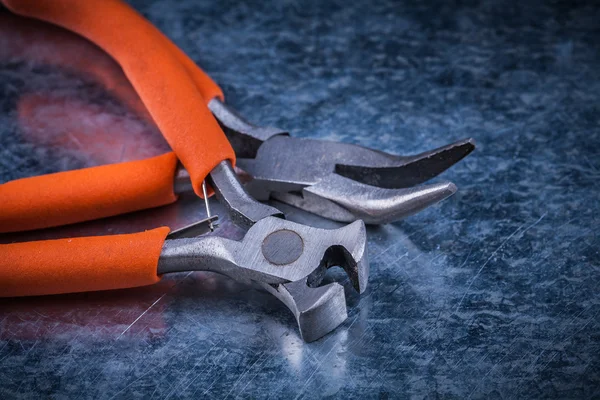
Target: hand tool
287,259
339,181
175,105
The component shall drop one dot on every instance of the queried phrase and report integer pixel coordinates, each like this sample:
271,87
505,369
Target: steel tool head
346,182
342,199
287,259
340,181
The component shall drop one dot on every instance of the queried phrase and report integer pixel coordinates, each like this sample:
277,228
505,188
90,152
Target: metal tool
286,259
339,181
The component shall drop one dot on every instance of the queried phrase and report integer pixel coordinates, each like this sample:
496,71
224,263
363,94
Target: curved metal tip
409,171
351,254
318,311
346,200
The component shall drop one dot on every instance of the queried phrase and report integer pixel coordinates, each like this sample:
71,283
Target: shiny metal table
491,294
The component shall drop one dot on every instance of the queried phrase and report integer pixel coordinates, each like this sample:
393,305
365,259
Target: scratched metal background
491,294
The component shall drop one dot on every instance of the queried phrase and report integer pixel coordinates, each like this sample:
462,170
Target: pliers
285,258
340,181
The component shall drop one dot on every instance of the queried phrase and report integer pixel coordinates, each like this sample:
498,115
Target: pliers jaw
344,200
320,309
288,260
339,181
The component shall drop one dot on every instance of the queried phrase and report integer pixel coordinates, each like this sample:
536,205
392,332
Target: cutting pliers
287,259
340,181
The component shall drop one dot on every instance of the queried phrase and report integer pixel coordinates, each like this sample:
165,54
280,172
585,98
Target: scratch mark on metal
141,315
322,360
494,253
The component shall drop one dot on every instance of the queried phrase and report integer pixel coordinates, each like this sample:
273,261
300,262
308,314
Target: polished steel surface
491,294
342,199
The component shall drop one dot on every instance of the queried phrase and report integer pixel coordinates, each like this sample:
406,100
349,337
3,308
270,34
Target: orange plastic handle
86,194
80,264
162,82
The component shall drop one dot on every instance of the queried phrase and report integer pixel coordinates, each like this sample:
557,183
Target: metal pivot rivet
282,247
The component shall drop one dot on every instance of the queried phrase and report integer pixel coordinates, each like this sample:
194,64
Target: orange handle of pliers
86,194
80,264
162,82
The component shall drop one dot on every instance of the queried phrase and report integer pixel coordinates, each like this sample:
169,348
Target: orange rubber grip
87,194
161,81
80,264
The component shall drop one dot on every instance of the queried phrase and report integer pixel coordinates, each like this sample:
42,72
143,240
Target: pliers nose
339,181
342,199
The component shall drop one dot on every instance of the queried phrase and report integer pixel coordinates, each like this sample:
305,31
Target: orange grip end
80,264
87,194
162,82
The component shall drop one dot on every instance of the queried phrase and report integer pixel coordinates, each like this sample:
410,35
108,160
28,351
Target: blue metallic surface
491,294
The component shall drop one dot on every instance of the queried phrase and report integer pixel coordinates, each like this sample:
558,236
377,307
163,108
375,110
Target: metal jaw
288,260
243,210
340,181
